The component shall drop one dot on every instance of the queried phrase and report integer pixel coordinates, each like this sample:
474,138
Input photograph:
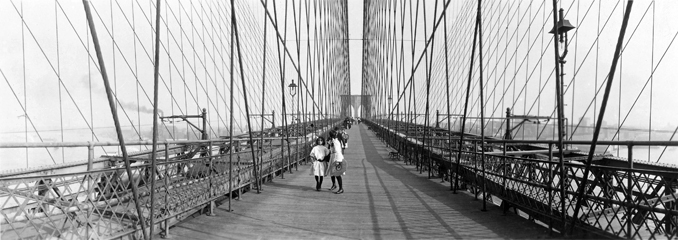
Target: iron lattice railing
99,203
620,200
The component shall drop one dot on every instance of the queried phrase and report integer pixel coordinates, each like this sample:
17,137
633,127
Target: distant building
585,121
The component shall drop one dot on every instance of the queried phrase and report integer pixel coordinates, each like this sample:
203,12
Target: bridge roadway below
383,199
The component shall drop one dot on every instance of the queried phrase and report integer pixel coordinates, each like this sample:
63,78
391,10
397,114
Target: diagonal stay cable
26,114
275,26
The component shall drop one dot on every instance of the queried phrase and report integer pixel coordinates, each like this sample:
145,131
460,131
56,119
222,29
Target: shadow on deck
384,199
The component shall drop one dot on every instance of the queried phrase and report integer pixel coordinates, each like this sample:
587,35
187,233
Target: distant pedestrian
347,123
344,136
341,133
319,166
337,166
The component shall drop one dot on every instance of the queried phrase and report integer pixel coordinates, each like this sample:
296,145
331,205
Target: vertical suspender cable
414,86
297,35
413,31
309,56
23,67
347,49
428,40
479,22
61,111
428,84
244,86
447,94
649,127
468,93
286,50
558,103
285,134
394,56
230,129
596,133
263,98
154,147
116,121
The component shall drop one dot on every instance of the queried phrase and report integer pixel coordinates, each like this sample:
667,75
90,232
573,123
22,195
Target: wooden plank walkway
383,199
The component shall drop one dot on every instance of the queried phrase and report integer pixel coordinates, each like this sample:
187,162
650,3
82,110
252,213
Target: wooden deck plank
384,199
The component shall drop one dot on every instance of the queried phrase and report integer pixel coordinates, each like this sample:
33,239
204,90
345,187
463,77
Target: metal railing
624,197
93,199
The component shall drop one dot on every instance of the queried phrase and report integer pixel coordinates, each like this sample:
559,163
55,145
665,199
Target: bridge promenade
194,119
383,199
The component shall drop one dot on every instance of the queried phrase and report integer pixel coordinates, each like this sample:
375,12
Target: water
19,158
670,156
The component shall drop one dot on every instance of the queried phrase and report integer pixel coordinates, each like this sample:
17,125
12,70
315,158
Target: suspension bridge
130,119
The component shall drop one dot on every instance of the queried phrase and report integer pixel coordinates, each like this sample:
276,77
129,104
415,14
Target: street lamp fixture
390,102
293,88
561,29
563,25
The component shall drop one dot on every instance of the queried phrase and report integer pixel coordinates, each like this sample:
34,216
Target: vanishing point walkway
384,199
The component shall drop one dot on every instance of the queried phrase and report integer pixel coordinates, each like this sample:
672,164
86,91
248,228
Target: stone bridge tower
356,105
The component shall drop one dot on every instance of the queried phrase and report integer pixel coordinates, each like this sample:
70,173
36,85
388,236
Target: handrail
626,198
99,199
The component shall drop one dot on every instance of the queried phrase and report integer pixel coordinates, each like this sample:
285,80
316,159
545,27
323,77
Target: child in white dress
337,166
318,167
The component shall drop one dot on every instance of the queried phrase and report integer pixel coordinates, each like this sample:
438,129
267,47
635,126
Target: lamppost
293,91
561,29
390,100
332,110
390,105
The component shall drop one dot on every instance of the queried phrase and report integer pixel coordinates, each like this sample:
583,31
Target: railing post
563,213
211,176
165,232
550,187
482,159
154,164
629,194
475,169
90,156
456,171
437,118
90,183
420,154
230,167
271,166
428,142
261,146
90,163
239,186
296,154
504,172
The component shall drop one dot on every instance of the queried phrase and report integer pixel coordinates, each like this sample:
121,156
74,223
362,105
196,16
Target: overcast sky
195,62
355,31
